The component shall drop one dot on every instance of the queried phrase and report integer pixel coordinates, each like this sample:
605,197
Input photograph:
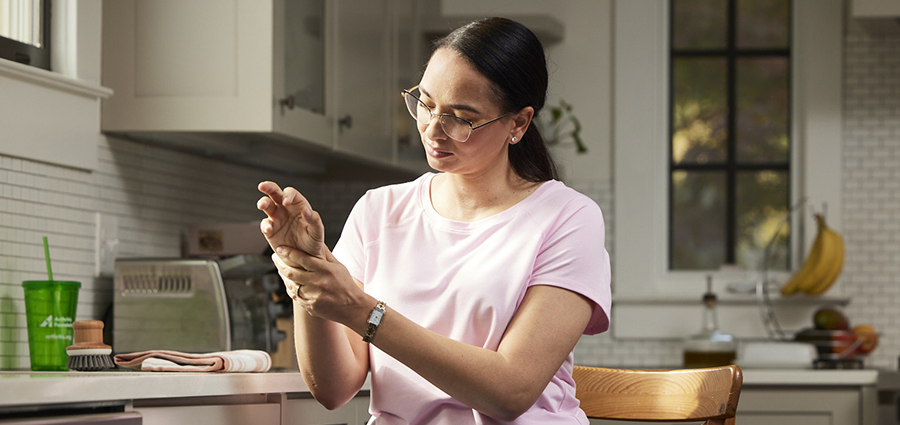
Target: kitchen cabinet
236,414
274,82
312,413
257,409
804,406
273,398
876,9
364,86
877,16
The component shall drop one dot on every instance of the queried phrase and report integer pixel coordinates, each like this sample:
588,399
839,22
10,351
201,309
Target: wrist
376,316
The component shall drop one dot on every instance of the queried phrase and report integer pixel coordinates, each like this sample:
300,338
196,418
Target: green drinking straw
47,259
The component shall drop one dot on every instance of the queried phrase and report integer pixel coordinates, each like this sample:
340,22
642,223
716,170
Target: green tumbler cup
50,311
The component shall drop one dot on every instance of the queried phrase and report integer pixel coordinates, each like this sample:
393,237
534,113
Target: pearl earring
514,139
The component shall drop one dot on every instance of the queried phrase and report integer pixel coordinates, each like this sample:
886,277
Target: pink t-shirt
466,280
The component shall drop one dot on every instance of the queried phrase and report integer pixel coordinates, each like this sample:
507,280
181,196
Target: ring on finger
299,295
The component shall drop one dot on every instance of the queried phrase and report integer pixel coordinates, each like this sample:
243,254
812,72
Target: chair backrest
709,394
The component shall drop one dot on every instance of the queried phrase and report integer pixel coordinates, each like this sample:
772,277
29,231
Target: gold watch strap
374,320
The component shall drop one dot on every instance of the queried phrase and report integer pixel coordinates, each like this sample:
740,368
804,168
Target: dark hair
512,58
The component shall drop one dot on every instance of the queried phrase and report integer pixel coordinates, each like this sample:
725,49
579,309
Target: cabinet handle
287,102
345,122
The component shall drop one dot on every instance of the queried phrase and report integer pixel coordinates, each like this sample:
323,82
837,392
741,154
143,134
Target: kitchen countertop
804,377
42,388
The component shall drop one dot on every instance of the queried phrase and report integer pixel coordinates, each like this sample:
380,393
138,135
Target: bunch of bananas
823,265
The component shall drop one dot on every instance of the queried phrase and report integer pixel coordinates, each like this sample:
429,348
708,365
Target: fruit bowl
838,344
833,345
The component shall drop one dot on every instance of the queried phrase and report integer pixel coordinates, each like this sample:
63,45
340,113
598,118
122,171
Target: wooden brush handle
88,334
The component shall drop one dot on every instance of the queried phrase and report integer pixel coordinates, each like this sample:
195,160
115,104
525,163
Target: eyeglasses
454,127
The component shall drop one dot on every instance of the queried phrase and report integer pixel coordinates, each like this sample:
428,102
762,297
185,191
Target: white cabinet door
308,411
412,52
364,82
312,76
212,66
202,65
303,66
801,406
236,414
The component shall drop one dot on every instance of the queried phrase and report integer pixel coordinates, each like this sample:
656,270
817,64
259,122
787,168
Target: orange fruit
868,338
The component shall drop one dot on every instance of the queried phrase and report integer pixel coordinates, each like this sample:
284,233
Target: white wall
579,73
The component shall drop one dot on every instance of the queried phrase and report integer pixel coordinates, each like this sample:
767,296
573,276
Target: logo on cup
47,322
60,322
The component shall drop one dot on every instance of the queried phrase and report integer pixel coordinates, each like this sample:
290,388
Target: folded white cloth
176,361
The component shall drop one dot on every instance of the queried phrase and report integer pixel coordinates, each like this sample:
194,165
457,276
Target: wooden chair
709,394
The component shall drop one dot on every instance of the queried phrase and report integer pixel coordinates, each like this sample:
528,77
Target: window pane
699,24
20,20
700,111
762,110
698,220
763,23
761,206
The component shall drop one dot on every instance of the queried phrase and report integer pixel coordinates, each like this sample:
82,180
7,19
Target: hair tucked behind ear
512,58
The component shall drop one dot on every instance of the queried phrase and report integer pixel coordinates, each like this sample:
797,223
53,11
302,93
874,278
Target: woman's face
451,85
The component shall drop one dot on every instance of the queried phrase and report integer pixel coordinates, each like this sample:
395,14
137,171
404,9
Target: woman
463,292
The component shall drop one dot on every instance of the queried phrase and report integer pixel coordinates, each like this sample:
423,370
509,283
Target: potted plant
561,126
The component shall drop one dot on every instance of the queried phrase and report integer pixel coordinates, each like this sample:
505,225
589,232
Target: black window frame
25,53
731,53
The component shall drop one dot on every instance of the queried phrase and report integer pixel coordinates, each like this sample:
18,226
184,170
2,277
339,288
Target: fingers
272,190
316,230
267,205
289,275
296,203
292,197
296,258
266,226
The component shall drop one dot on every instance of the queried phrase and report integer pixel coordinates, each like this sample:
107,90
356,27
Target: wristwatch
374,321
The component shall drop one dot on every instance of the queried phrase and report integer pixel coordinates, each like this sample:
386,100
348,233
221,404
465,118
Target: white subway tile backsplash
152,192
872,223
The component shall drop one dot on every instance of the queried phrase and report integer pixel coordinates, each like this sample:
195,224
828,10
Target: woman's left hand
323,287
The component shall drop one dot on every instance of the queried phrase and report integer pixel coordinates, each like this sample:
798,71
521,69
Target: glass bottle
710,347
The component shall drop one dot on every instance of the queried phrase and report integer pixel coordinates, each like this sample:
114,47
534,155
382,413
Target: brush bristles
90,362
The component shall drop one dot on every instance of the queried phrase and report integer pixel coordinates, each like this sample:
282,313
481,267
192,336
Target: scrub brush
89,353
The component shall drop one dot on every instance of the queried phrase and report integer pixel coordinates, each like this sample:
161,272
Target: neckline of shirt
424,195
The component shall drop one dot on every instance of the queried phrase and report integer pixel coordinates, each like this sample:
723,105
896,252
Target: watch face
376,316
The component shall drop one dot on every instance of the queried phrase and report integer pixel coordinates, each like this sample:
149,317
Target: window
641,136
729,150
25,32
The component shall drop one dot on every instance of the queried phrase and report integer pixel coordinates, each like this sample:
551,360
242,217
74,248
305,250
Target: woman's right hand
290,220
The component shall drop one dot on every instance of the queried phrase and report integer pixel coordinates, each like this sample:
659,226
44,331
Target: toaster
195,305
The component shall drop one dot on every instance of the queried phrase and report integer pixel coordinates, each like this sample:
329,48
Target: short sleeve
573,256
349,249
